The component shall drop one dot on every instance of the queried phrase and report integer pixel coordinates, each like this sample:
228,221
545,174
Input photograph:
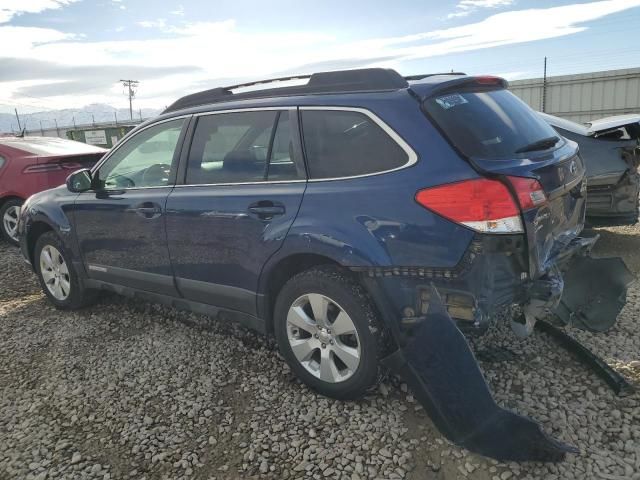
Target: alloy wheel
10,222
55,272
323,338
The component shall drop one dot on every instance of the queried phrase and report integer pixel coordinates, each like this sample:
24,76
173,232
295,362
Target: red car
29,165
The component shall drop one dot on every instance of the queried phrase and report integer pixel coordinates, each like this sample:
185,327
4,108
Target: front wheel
328,332
9,213
58,277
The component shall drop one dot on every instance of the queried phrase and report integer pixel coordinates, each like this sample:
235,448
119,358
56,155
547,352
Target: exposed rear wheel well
35,231
282,272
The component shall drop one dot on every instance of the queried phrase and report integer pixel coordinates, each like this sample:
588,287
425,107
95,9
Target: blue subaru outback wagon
359,218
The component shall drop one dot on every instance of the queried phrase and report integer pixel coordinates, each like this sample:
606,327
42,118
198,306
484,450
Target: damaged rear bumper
427,311
613,200
439,367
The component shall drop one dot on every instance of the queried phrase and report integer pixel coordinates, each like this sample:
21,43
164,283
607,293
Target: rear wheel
58,277
328,332
9,220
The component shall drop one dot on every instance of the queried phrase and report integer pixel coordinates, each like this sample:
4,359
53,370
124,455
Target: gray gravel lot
131,390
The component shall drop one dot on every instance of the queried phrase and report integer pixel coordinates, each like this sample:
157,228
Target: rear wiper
539,145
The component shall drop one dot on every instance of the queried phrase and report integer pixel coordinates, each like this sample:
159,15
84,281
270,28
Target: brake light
71,165
488,80
481,204
45,167
529,191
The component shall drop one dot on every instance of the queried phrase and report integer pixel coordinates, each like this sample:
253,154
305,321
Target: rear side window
242,147
345,143
2,161
489,125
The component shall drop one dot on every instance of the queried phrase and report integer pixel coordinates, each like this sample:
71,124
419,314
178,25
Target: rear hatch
505,140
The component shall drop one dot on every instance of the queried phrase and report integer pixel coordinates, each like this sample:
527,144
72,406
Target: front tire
58,277
9,220
328,332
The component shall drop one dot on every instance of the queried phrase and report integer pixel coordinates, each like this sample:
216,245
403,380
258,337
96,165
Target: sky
71,53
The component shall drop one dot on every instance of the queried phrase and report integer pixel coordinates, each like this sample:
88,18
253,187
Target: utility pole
115,115
18,118
93,120
41,129
131,85
55,120
74,122
140,113
544,87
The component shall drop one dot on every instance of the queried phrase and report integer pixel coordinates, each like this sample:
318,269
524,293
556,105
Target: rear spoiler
483,82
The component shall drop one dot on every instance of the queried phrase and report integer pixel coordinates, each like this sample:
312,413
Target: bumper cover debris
440,368
616,381
594,292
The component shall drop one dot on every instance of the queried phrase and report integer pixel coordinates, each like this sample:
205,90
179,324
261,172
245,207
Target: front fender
52,208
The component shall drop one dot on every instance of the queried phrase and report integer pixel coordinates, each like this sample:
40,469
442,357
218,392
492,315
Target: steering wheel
155,175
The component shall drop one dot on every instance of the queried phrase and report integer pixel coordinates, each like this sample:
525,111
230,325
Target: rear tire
329,333
58,277
9,220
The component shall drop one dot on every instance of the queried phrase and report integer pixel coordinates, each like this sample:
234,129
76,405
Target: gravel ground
132,390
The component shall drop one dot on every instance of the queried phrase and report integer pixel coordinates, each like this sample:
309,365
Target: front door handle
266,209
148,210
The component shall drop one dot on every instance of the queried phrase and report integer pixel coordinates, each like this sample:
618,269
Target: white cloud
465,7
178,11
19,41
13,8
157,23
225,52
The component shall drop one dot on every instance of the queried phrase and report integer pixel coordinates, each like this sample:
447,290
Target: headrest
240,160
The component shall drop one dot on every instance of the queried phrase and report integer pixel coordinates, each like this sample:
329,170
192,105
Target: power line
131,85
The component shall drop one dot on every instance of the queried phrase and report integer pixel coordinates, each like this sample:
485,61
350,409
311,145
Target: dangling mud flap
594,292
439,367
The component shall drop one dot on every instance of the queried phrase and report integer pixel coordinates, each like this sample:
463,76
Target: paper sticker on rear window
450,101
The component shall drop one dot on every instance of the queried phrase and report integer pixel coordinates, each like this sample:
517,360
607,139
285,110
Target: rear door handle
266,210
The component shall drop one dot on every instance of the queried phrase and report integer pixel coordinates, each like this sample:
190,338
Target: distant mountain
97,112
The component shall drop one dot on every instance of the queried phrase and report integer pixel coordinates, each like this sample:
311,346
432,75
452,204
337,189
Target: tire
8,215
295,324
58,277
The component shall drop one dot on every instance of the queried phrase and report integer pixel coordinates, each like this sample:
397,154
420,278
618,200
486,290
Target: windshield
491,125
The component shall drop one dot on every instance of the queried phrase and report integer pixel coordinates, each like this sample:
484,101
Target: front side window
144,160
346,143
242,147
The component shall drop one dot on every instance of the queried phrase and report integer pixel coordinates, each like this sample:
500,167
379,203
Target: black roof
342,81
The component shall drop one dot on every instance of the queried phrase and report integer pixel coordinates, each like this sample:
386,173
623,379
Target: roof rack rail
268,81
342,81
421,76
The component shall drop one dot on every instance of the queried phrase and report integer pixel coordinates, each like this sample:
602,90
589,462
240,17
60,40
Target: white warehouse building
583,97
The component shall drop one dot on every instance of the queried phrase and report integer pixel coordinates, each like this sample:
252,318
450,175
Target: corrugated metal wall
586,96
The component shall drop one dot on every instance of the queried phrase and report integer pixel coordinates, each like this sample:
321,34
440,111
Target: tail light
71,165
52,167
484,205
45,167
529,191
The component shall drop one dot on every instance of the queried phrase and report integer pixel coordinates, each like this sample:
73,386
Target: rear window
490,125
342,143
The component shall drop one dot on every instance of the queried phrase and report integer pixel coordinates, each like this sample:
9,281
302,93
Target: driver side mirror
79,181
